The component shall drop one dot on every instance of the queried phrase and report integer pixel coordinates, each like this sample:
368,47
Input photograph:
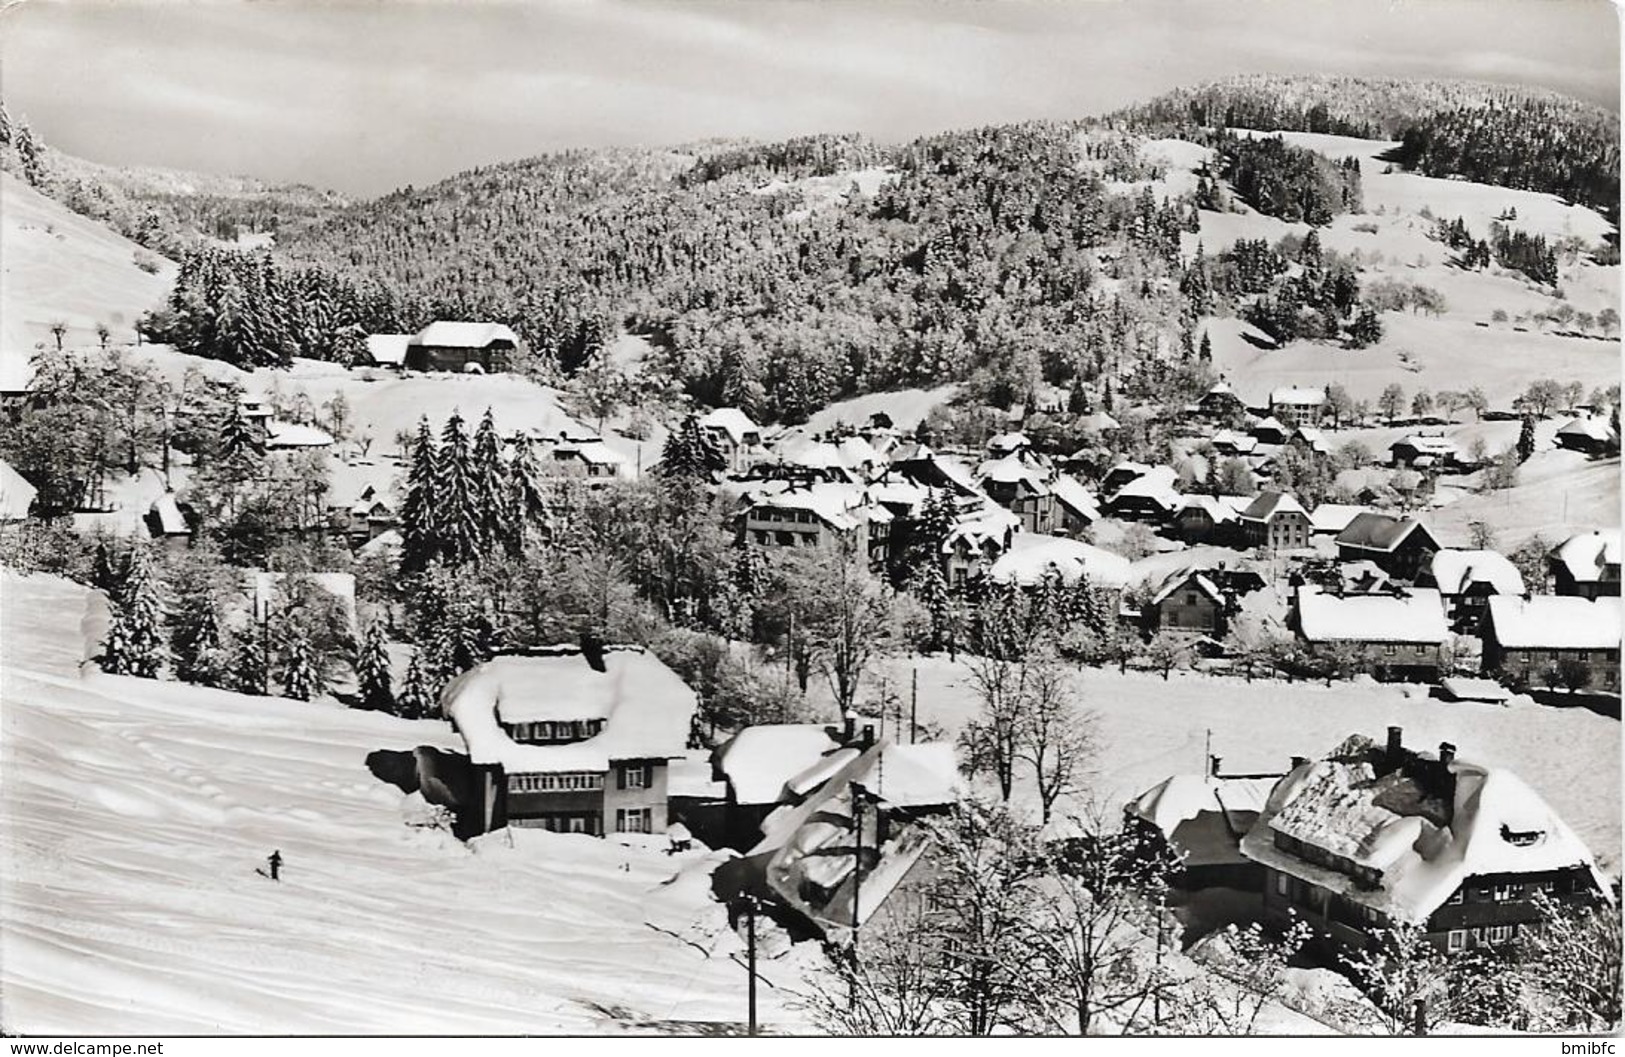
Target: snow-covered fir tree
457,518
372,670
690,453
419,697
489,491
419,540
301,679
134,643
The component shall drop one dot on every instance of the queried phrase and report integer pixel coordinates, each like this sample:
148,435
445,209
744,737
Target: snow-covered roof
388,349
1008,442
1234,440
1221,387
646,707
1075,496
1220,509
1032,557
1454,571
1176,579
1551,622
595,452
1423,847
1588,556
16,494
1335,517
16,370
457,335
1099,422
1297,396
1184,796
840,505
1465,688
1156,484
295,435
166,512
1415,617
690,775
1428,443
1013,469
1271,503
988,522
1270,424
1587,427
1379,532
760,761
731,421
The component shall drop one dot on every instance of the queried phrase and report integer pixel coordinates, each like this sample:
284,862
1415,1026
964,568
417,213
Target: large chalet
572,739
1377,835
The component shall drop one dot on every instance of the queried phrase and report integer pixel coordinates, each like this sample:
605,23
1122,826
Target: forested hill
1497,134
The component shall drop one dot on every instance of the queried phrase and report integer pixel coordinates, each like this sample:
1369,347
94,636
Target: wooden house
1402,634
1374,837
1401,547
1553,640
455,346
1467,579
1587,565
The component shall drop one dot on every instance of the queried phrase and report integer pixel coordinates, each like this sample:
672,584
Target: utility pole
856,792
750,956
1156,994
914,708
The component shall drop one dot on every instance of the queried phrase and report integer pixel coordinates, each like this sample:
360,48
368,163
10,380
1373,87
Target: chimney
1213,765
1447,753
592,651
1396,739
849,727
868,734
1298,761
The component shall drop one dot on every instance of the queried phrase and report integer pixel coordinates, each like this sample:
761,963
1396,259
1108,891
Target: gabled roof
1270,504
1380,532
1297,396
1554,622
645,705
1202,817
1179,577
1270,424
1414,617
166,512
1588,556
1492,824
16,494
295,435
1098,422
388,349
1455,571
1075,497
448,334
1220,509
731,421
1156,484
1335,517
759,762
1013,469
838,504
1428,444
1587,427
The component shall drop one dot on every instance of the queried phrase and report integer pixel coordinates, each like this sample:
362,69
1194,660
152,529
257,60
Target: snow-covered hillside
133,818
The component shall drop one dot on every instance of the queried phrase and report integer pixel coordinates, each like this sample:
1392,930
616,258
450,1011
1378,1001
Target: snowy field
135,815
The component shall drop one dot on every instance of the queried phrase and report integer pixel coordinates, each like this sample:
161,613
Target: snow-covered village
1084,553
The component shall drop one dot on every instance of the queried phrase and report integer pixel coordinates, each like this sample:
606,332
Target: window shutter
620,777
648,776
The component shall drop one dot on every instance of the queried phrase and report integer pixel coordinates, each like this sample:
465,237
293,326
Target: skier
276,863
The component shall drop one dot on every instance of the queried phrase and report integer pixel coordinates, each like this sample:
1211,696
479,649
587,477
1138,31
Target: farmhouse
1424,451
386,350
1149,497
1275,521
291,436
1374,837
1188,600
1586,434
1401,547
452,346
1587,565
1211,519
1298,406
1270,430
573,739
1310,440
1561,641
1467,579
590,458
1403,634
1221,403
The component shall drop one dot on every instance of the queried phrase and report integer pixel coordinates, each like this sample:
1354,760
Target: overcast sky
365,97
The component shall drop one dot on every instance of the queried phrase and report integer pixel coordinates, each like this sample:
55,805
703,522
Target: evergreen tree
197,639
240,442
134,641
420,540
526,503
301,679
245,664
690,453
1526,438
488,488
105,575
1366,329
457,517
418,698
932,590
1204,351
372,670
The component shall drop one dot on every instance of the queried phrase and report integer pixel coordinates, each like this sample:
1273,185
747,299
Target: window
632,820
634,776
1421,650
1283,884
1497,934
1390,649
1456,940
1507,892
1456,898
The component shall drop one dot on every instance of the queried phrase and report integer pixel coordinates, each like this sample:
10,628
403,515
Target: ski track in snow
136,814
